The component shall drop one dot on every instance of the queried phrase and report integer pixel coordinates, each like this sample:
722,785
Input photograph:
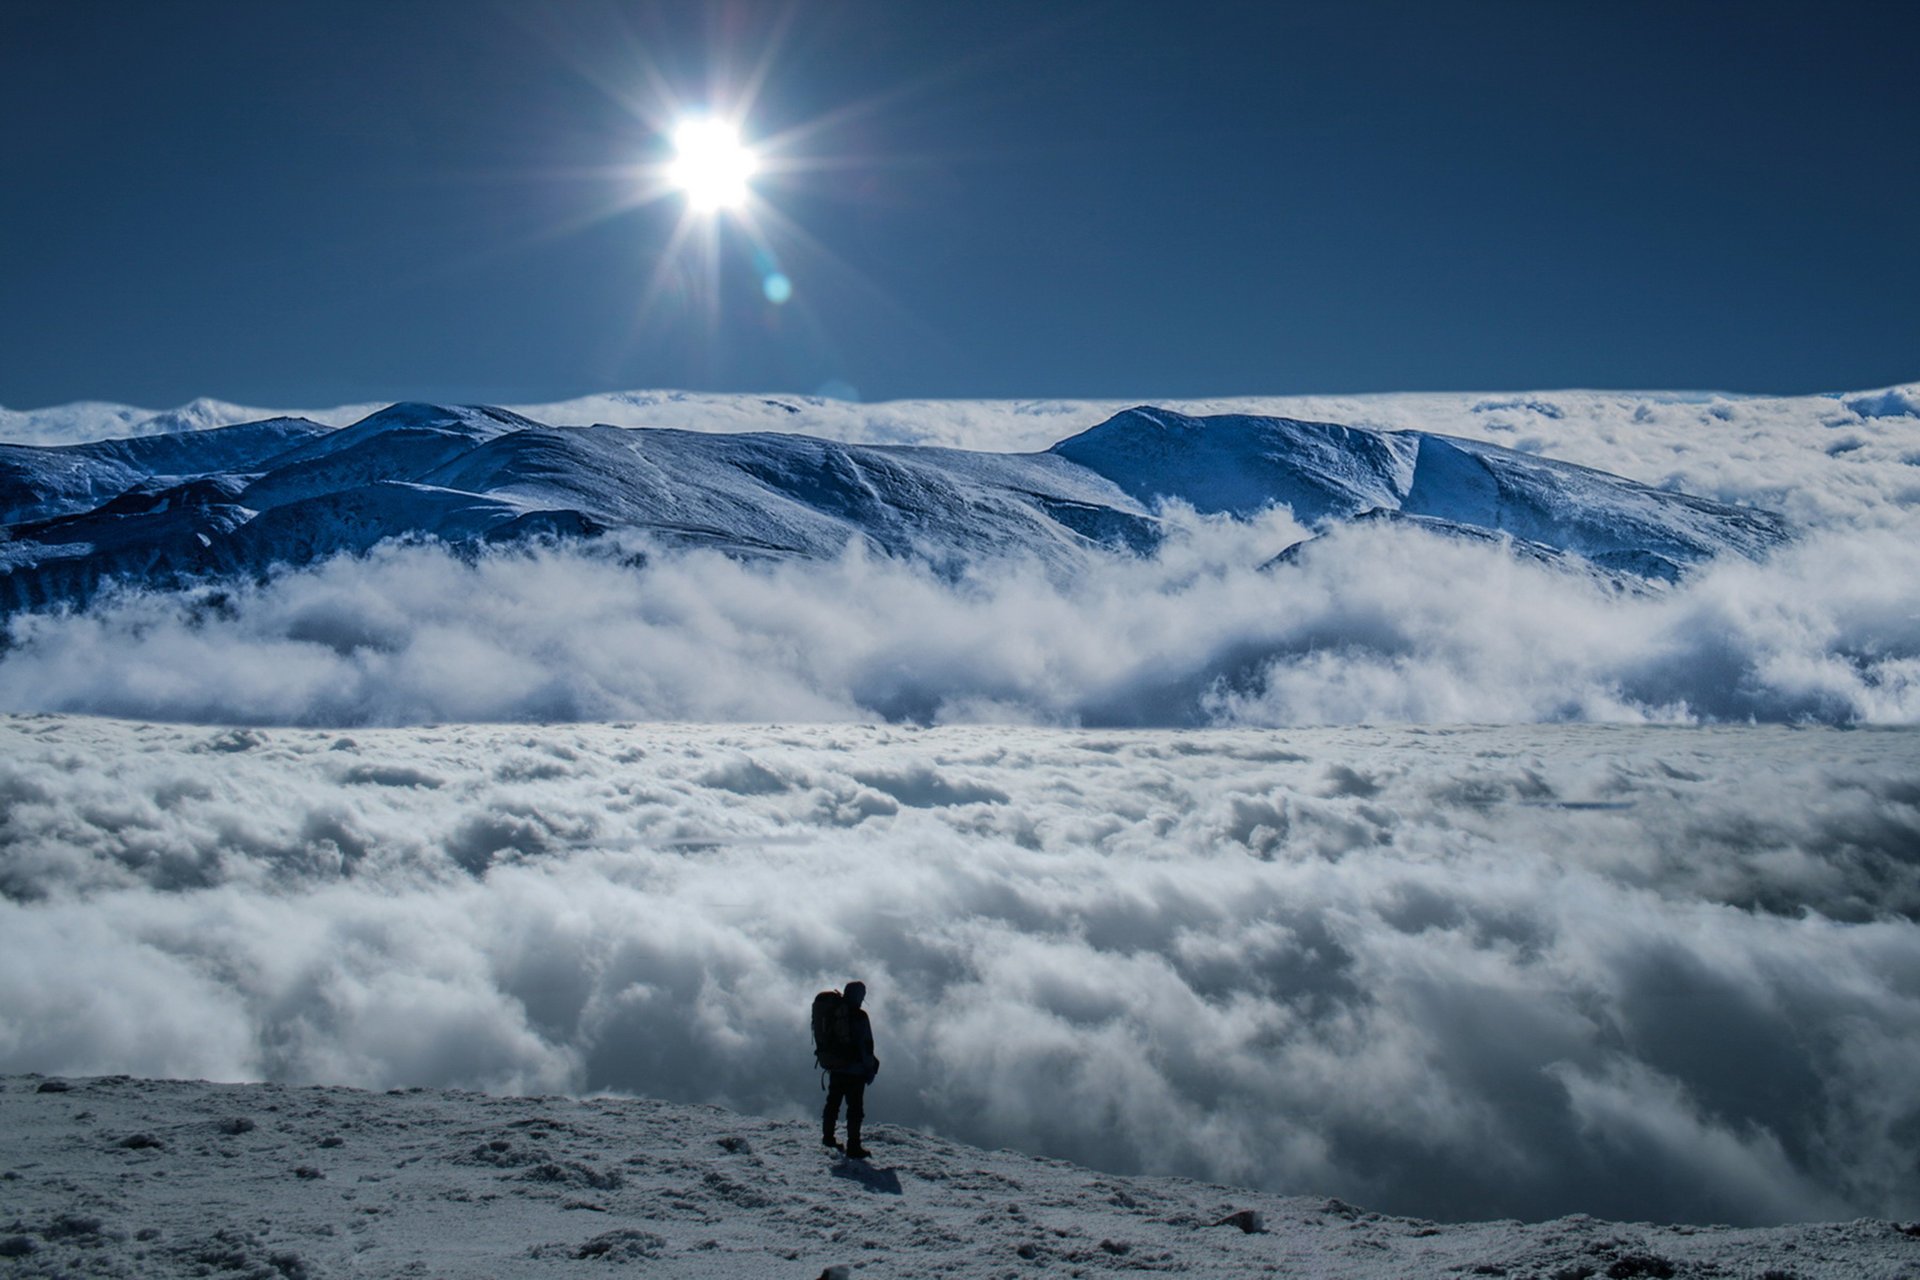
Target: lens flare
711,165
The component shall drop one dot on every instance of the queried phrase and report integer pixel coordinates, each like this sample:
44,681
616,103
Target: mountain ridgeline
179,509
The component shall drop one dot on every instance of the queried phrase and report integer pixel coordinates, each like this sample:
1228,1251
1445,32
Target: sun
711,165
711,150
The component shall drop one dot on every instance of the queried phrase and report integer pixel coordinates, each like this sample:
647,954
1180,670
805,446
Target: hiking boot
827,1140
857,1152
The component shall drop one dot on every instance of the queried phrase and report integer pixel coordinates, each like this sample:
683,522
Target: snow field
124,1177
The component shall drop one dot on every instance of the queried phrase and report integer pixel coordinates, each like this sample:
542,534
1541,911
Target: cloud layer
1373,624
1634,972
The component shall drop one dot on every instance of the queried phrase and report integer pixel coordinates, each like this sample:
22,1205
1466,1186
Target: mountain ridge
165,510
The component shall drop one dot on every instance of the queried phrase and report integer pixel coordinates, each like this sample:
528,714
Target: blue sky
305,204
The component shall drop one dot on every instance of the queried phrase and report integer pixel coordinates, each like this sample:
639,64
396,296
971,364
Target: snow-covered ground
140,1178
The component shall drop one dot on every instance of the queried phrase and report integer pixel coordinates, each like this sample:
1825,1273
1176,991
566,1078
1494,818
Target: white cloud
1461,973
1374,624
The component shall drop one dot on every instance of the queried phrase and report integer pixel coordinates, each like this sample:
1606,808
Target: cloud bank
1634,972
1373,624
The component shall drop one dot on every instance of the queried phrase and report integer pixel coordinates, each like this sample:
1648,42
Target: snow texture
123,1177
1644,974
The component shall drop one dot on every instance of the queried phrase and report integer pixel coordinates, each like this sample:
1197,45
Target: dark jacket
862,1029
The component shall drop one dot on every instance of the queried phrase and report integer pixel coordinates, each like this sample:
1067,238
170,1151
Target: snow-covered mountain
1239,464
87,421
171,508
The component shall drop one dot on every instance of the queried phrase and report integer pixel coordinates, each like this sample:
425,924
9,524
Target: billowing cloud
1635,972
1372,624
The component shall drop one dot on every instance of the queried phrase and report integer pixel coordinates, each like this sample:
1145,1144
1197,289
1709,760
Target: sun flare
711,165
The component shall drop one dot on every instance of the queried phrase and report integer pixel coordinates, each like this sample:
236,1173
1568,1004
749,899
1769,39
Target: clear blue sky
300,204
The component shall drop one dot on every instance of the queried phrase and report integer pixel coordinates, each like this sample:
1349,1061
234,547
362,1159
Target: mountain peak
1239,464
422,413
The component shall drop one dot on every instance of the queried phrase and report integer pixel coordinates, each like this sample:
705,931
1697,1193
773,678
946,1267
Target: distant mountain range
175,508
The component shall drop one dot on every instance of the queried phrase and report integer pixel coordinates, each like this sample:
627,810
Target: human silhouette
844,1047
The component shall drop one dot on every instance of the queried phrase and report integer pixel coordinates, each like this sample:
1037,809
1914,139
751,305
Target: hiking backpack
833,1047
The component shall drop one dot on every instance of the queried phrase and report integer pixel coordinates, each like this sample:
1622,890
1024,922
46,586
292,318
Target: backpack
833,1046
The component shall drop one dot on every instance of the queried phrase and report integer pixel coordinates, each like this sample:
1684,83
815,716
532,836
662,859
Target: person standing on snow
843,1046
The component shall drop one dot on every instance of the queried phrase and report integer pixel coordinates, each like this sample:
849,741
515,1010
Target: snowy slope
396,444
124,1177
1239,464
799,495
39,483
289,491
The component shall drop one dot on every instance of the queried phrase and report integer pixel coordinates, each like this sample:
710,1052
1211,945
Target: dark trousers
853,1088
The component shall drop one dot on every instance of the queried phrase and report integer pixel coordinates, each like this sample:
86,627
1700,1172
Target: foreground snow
126,1177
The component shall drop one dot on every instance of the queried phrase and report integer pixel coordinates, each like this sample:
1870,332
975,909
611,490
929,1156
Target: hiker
843,1047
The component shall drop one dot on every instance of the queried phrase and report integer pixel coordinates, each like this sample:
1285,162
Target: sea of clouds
1116,899
1662,973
